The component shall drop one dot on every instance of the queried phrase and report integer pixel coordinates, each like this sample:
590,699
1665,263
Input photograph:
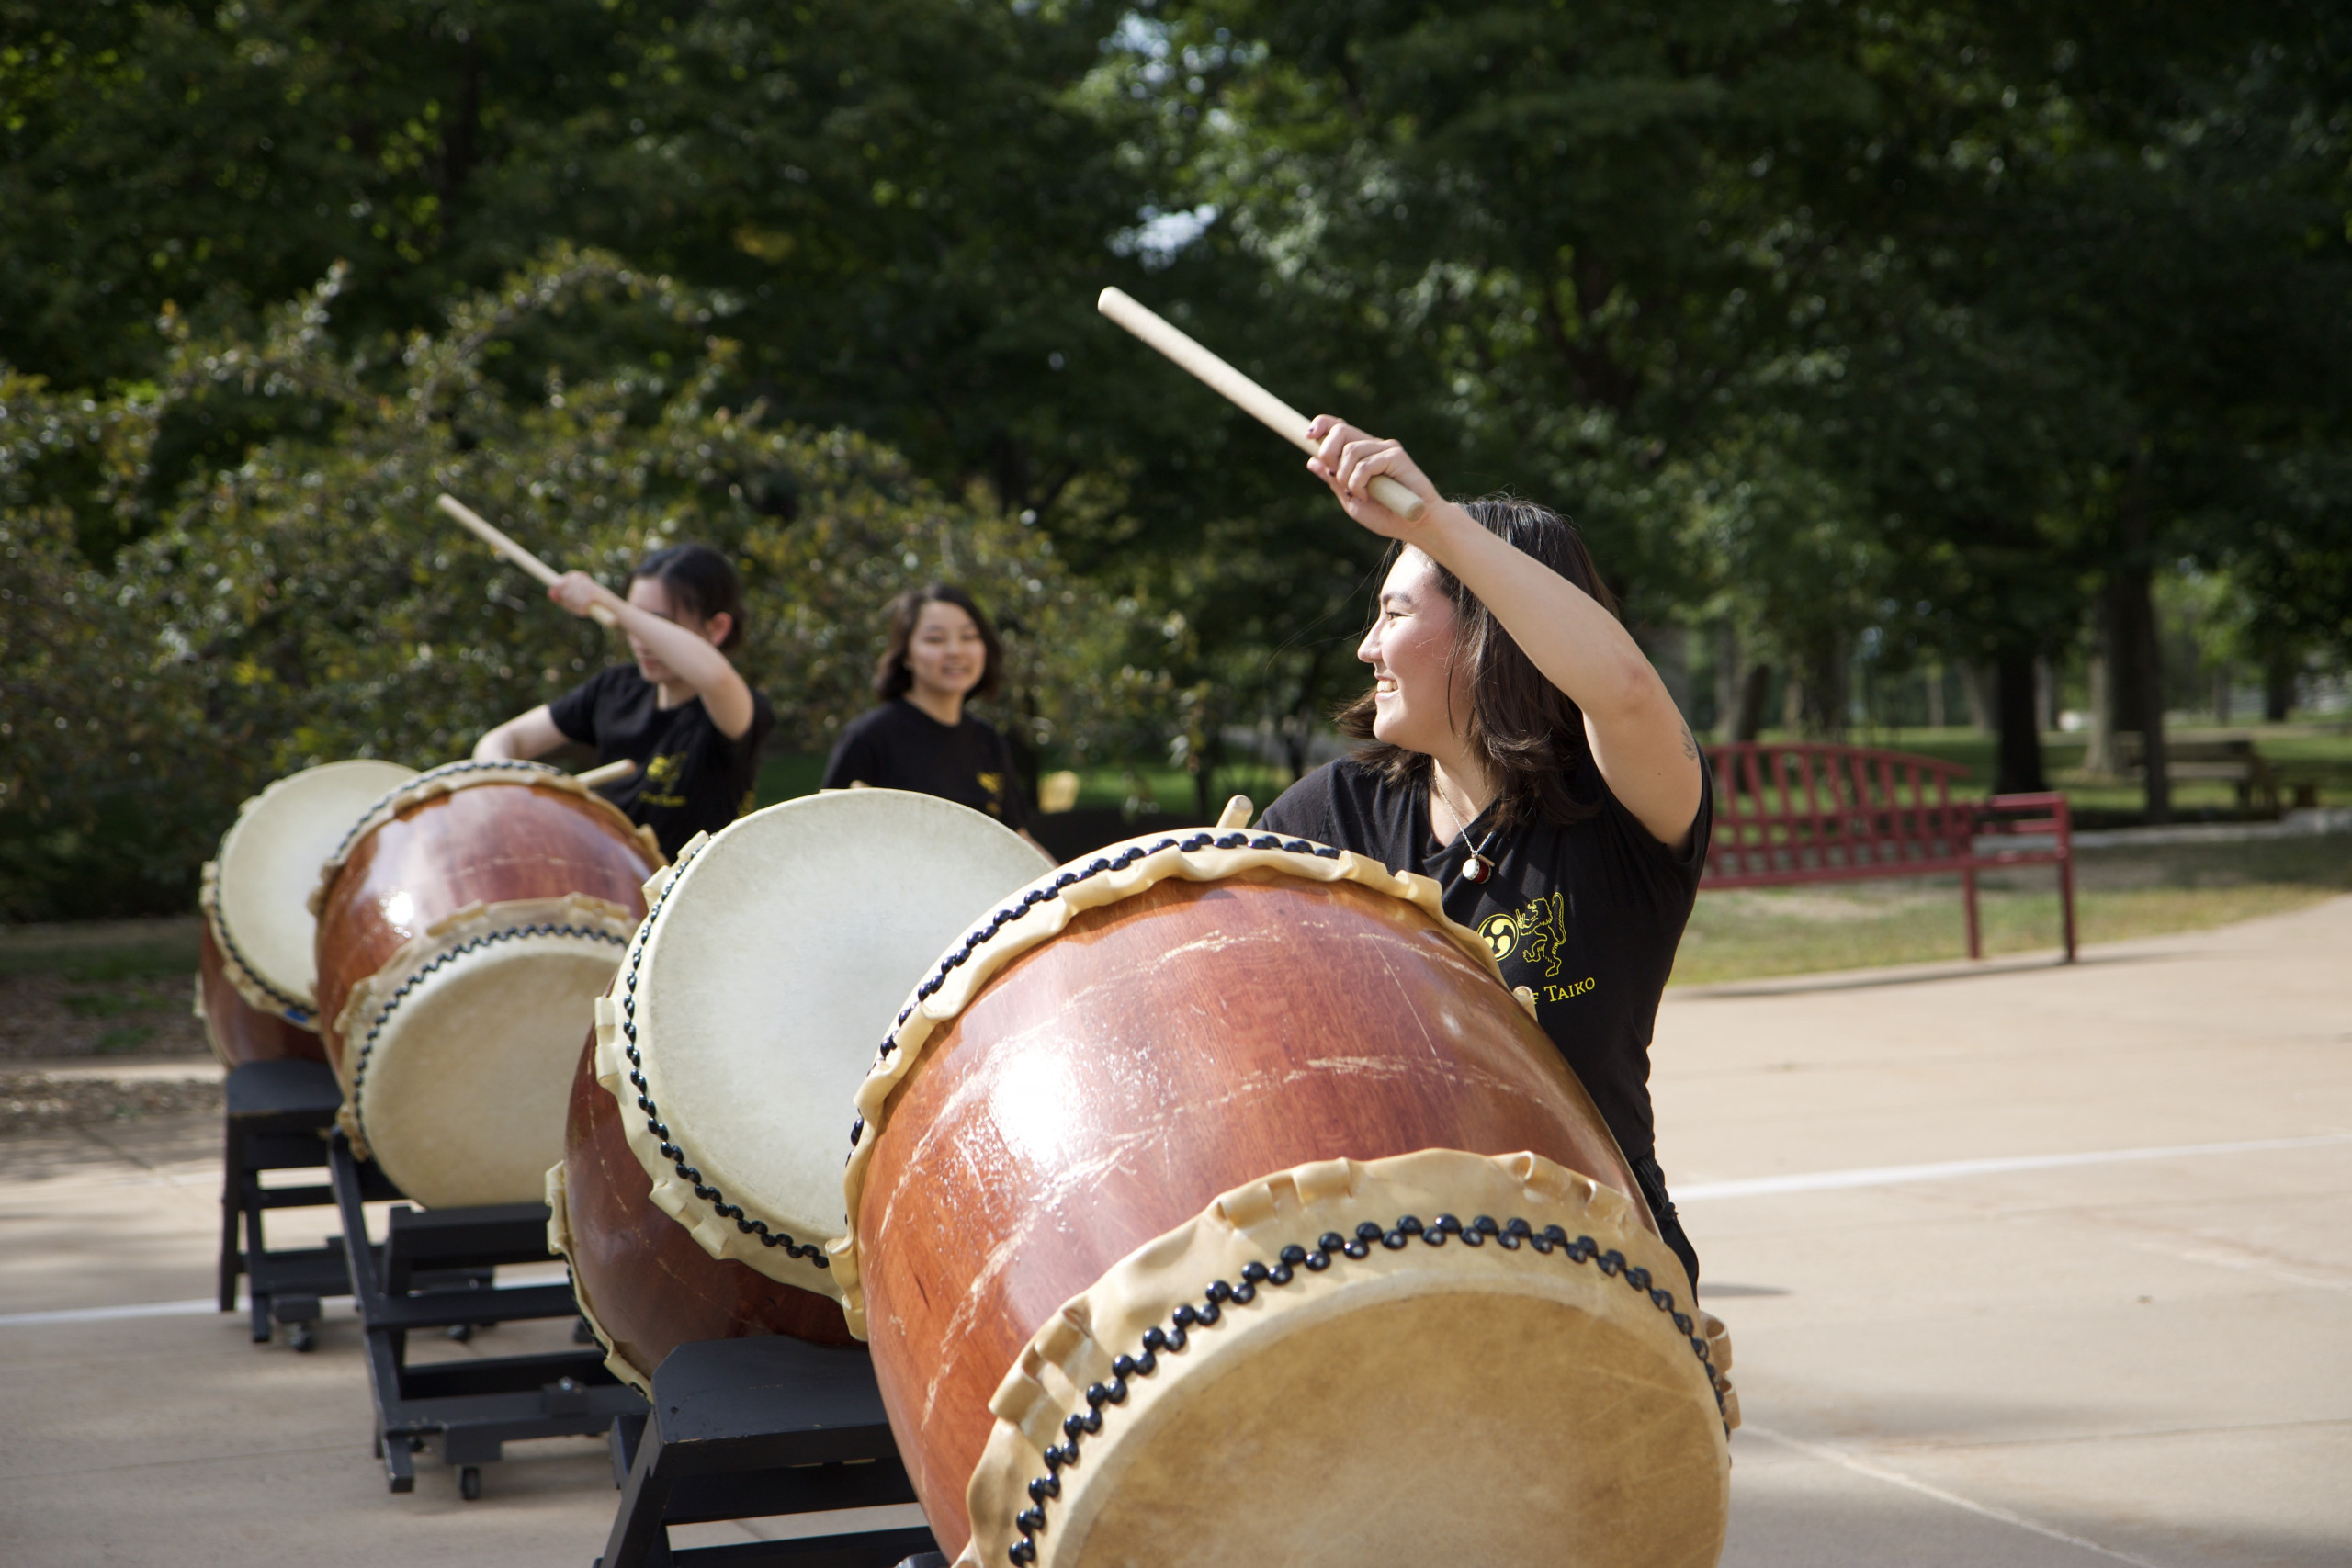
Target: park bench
1788,813
2232,761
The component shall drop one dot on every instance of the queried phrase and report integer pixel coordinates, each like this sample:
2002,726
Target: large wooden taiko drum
466,927
701,1179
256,976
1215,1202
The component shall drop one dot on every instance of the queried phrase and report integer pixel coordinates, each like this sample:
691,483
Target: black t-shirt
690,778
1587,917
898,746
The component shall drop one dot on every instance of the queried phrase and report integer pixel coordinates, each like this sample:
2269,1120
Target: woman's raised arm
1644,749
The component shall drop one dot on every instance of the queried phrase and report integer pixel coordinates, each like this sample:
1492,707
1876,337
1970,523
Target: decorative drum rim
1286,1251
243,973
258,993
559,1245
451,777
1042,909
690,1177
572,917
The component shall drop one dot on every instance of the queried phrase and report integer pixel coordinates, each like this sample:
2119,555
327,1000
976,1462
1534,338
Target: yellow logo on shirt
994,785
664,768
1537,932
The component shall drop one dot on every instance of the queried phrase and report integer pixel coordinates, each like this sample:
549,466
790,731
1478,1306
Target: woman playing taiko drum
1521,750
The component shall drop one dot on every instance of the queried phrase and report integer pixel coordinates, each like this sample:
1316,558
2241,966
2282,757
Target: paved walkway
2139,1359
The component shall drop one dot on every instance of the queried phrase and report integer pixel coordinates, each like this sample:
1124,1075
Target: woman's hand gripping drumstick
481,528
1241,390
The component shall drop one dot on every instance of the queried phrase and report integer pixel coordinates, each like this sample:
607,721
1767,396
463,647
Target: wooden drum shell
1104,1087
489,845
239,1032
645,1284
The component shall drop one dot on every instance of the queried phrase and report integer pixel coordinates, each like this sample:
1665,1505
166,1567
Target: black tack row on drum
1218,1294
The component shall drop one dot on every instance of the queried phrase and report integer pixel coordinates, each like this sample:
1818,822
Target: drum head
465,1071
769,974
270,860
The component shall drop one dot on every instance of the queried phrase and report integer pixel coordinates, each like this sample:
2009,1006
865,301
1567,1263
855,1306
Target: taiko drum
701,1179
1178,1086
466,926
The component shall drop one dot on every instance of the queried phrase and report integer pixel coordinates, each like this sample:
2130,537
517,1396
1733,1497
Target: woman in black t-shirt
681,713
1521,751
940,650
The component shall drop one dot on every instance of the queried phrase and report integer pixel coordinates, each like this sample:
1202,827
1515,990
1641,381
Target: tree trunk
1935,696
2020,770
2102,759
1977,688
1792,702
2277,690
1727,682
2223,680
2129,599
1749,723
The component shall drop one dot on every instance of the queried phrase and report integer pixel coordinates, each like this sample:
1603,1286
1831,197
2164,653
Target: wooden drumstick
1239,390
611,772
483,529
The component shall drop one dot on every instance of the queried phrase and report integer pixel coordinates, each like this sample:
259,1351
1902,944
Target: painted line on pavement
513,1274
1898,1175
1844,1460
189,1308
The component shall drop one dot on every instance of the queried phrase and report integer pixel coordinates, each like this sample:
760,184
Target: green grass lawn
1751,934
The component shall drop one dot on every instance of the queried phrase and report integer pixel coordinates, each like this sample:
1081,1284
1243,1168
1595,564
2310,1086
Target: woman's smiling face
947,654
1419,701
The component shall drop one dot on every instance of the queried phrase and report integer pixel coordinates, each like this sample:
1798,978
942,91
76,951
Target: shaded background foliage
310,603
1950,331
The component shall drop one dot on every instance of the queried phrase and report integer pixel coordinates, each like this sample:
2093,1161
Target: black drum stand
749,1429
433,1270
279,1114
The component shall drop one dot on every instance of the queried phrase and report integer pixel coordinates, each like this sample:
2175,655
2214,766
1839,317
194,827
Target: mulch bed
47,1017
34,1102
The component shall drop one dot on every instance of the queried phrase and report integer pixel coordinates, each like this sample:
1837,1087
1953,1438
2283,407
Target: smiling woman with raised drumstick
1519,749
681,713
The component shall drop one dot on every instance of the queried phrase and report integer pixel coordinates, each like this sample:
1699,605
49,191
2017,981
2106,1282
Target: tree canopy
1938,328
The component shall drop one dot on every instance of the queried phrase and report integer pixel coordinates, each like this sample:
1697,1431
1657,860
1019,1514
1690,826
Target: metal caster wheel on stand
303,1339
581,1333
469,1483
460,1332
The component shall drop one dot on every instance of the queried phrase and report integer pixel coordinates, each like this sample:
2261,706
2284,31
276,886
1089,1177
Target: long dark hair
891,676
700,583
1530,734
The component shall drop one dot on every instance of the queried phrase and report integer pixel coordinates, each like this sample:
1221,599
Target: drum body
465,928
237,1030
741,1024
256,898
1232,1172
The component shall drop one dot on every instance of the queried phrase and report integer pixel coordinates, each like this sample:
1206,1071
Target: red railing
1803,812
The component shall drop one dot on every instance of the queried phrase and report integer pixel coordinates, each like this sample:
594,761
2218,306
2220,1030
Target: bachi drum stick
481,528
1242,392
611,772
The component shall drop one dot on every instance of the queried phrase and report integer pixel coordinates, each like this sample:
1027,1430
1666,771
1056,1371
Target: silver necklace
1478,867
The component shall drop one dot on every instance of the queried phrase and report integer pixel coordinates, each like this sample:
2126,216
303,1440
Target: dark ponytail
700,582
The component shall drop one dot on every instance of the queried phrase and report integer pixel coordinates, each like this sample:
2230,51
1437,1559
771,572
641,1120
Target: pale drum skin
490,843
652,1285
1107,1085
240,1031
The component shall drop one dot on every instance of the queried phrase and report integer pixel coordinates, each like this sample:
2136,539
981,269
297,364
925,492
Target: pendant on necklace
1477,869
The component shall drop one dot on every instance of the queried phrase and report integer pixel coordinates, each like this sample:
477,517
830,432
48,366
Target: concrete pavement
2139,1361
2142,1360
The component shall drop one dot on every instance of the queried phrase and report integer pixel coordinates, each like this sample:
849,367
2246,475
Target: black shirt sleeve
575,712
855,758
1303,811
